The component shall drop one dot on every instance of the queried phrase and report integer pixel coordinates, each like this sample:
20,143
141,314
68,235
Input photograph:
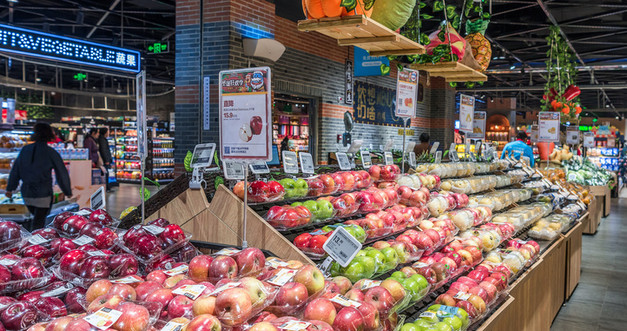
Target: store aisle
124,196
600,300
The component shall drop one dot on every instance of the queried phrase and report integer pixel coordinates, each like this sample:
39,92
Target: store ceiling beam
514,9
105,27
540,88
104,17
144,12
615,67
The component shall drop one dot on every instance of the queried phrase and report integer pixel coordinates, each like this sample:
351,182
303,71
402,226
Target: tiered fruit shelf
363,32
451,71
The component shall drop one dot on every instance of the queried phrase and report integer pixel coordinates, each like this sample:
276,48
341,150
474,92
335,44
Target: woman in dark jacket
33,167
105,153
91,143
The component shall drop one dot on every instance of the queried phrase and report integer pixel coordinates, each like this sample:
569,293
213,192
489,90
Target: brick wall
312,66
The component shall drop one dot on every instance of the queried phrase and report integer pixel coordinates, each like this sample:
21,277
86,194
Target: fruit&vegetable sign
549,126
245,111
466,112
478,127
375,105
406,92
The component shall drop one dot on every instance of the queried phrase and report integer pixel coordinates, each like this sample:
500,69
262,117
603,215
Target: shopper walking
105,154
33,167
519,148
424,146
91,143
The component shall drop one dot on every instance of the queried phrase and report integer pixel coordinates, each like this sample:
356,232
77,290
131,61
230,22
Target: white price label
83,212
412,159
290,162
233,170
276,263
174,326
128,280
96,253
438,157
227,251
83,240
343,161
176,271
7,262
190,291
259,168
428,315
366,159
37,240
342,246
419,265
588,140
154,229
97,200
282,277
306,163
344,301
434,148
224,288
58,291
103,318
294,325
368,283
388,158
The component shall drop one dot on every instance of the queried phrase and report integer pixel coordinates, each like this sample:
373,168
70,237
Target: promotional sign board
366,65
246,114
478,126
572,135
549,127
466,112
588,139
57,48
406,93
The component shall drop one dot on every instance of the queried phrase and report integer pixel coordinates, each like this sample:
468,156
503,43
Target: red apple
222,267
199,268
127,292
320,309
348,319
134,317
250,261
204,322
19,316
98,288
234,306
75,300
179,305
157,276
381,298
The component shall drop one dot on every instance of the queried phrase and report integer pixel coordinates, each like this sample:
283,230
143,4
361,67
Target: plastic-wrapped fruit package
311,243
441,317
370,200
329,186
321,209
287,217
489,238
260,191
18,274
152,242
82,268
49,300
384,172
360,267
353,229
362,179
11,235
292,188
345,205
438,205
549,228
228,263
376,224
474,304
416,286
412,181
505,230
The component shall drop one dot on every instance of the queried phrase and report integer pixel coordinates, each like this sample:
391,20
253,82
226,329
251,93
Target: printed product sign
366,65
375,105
478,126
549,127
406,92
572,135
466,112
245,114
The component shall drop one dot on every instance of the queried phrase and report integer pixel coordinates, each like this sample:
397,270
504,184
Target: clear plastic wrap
287,216
442,317
550,227
345,205
311,243
293,188
260,191
236,302
380,172
152,243
11,235
19,274
84,268
321,209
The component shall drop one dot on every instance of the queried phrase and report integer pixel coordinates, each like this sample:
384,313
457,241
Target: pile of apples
69,224
441,318
260,191
413,197
21,273
11,234
466,218
153,240
86,266
384,172
286,217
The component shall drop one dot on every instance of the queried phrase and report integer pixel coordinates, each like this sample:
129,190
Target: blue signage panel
366,65
57,48
375,105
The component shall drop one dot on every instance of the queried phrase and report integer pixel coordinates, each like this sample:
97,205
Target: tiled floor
600,300
124,196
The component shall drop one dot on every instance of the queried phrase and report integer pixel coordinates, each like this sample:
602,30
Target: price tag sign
344,301
588,139
259,168
368,283
342,246
276,263
37,240
96,253
97,200
190,291
290,162
203,155
412,159
227,251
83,240
58,291
452,153
83,212
366,159
174,326
128,280
103,318
343,161
176,271
434,148
224,288
153,229
438,157
306,163
233,170
462,296
388,158
294,325
572,135
282,277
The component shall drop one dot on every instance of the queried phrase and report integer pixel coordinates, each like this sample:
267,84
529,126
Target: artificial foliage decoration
560,92
481,47
393,13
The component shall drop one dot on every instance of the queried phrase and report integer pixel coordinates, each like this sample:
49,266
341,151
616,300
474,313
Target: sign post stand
246,108
141,132
406,97
406,119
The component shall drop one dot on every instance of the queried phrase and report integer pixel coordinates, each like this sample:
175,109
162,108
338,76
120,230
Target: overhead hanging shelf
451,71
363,32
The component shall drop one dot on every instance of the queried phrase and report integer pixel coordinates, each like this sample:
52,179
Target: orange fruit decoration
315,9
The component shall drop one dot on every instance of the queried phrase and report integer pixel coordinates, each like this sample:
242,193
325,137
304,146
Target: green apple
409,327
290,187
326,209
454,321
354,271
313,208
398,275
422,281
422,325
379,258
356,231
412,286
330,228
297,203
429,320
335,269
435,307
463,315
441,326
301,187
391,258
369,265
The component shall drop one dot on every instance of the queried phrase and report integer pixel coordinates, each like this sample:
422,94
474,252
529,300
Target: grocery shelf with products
291,120
605,157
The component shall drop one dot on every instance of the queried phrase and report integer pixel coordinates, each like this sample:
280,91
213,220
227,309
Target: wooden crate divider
363,32
451,71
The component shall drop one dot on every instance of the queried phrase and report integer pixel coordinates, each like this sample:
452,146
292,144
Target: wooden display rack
221,221
451,71
363,32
